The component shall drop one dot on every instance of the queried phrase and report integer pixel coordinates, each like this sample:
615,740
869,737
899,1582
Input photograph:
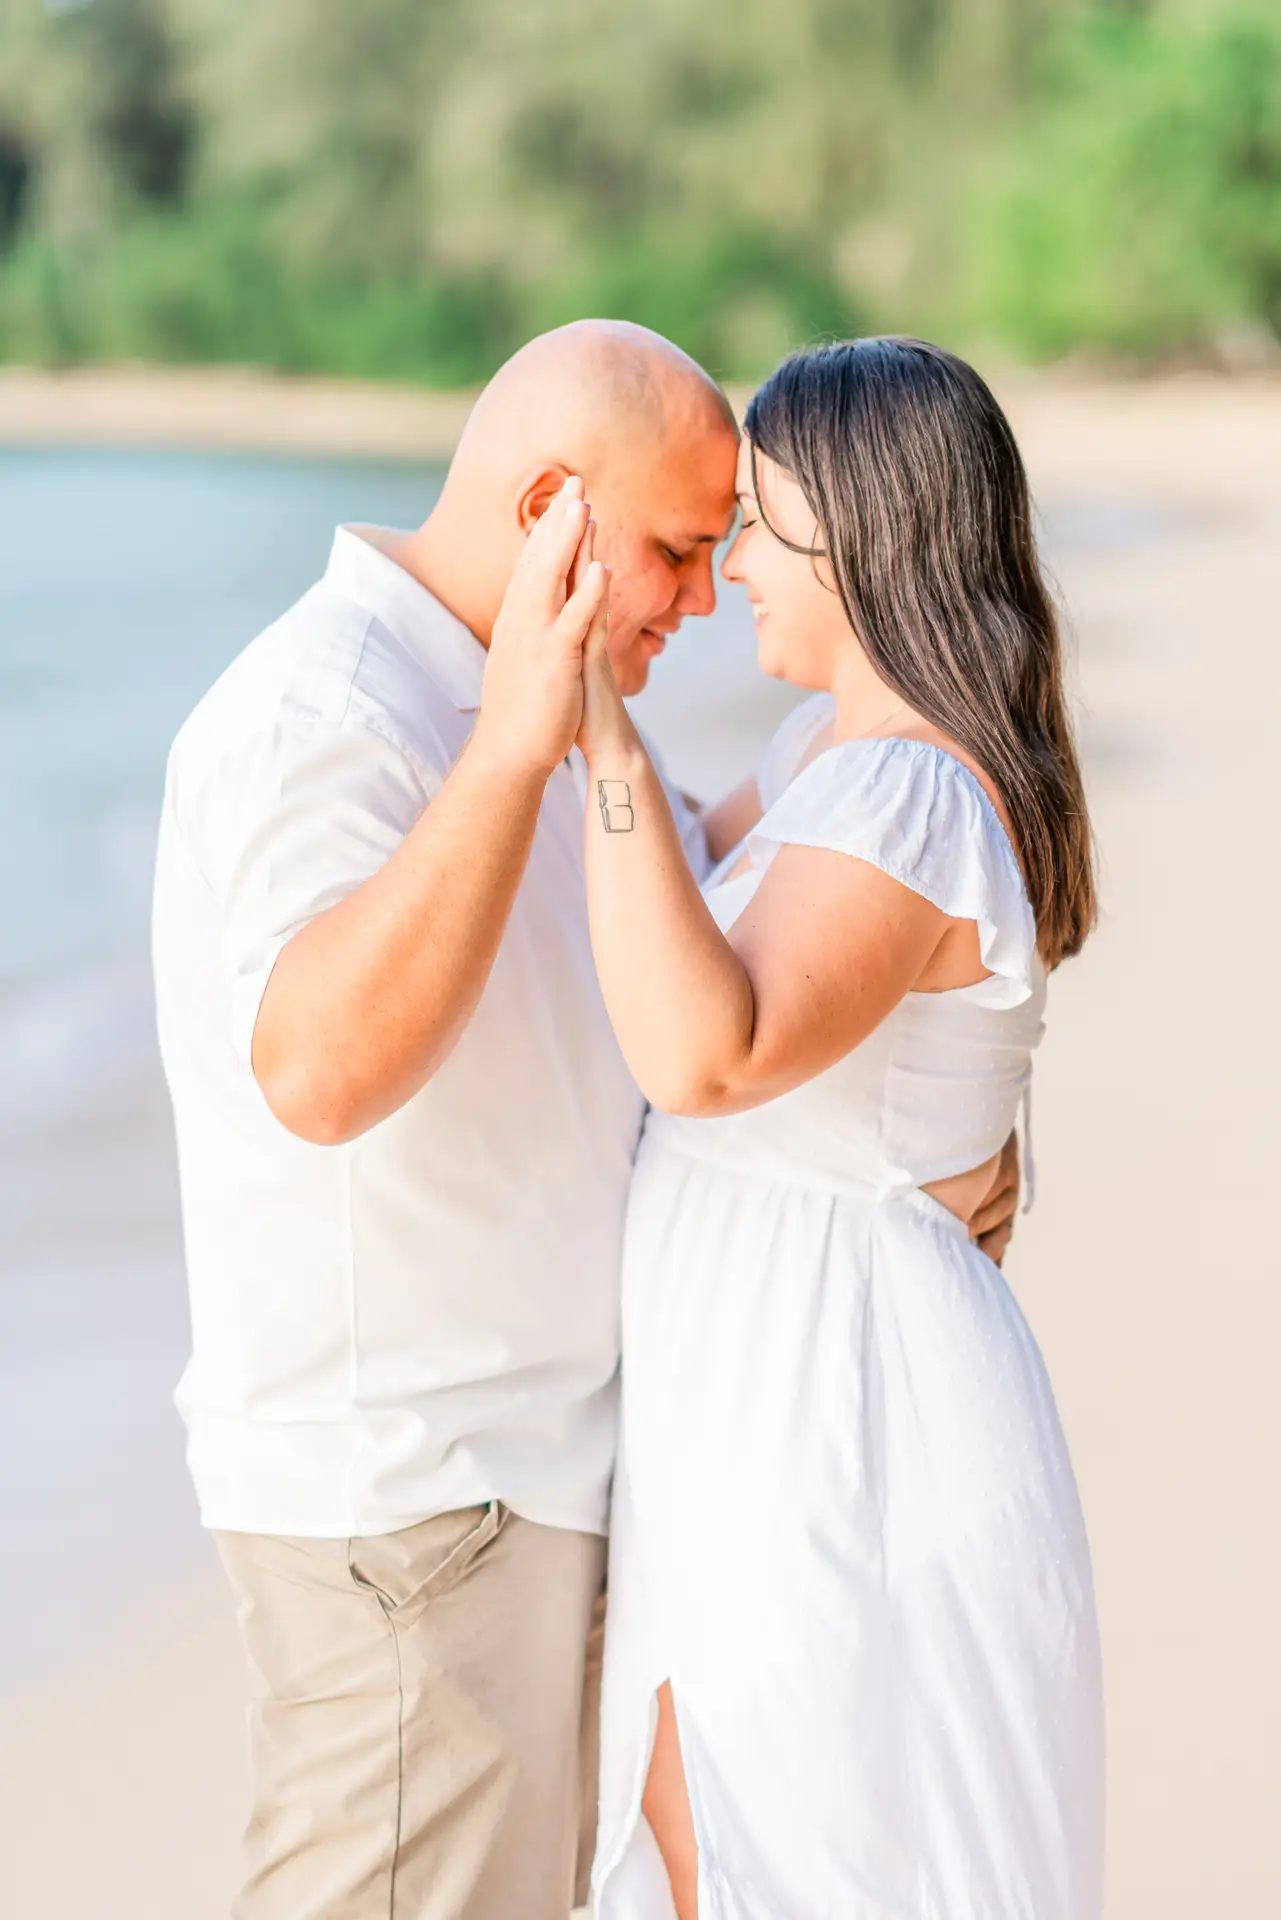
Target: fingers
585,606
594,646
583,558
996,1209
1000,1203
553,542
598,627
995,1243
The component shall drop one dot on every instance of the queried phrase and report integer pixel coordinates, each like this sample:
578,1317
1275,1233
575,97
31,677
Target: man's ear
538,493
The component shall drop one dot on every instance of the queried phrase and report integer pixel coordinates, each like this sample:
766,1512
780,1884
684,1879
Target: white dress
845,1523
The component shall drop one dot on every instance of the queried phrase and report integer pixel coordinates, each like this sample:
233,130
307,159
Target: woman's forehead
765,480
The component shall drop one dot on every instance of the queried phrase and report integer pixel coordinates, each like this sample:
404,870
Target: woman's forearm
679,998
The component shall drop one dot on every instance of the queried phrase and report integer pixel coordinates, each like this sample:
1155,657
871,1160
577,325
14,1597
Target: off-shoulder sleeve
922,818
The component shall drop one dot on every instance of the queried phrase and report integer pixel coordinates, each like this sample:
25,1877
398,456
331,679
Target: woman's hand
606,732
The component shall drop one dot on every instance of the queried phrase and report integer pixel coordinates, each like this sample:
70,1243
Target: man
405,1134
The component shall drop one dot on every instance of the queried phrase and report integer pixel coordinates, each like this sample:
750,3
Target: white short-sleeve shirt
427,1316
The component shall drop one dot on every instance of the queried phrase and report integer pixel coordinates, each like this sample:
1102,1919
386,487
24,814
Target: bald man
405,1135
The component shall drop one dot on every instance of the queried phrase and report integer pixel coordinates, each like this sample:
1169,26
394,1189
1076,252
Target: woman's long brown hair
919,489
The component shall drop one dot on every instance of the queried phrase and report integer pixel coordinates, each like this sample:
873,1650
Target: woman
852,1666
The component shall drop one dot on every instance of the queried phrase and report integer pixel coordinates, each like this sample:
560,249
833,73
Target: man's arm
366,1001
731,819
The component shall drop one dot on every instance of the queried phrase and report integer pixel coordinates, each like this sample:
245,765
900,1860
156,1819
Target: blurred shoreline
244,409
1135,428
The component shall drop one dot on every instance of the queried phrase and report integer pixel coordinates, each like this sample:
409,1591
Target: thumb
595,650
582,611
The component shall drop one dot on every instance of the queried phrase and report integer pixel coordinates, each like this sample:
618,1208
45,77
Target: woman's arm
711,1024
664,968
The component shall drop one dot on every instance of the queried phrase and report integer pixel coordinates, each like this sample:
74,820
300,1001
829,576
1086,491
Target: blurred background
402,189
253,262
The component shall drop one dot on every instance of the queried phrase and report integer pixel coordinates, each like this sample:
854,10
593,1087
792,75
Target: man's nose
698,592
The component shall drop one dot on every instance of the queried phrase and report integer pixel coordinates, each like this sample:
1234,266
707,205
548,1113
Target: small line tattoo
616,810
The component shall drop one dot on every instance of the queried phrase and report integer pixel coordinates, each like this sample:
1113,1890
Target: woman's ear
538,493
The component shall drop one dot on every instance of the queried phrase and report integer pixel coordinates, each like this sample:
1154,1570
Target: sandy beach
1149,1267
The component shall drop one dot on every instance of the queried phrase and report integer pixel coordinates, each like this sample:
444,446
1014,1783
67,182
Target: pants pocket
406,1571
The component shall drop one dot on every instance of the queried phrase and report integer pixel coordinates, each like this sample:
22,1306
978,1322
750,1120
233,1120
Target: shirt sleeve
312,811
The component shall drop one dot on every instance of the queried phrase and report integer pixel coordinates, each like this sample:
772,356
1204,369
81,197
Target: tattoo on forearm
616,810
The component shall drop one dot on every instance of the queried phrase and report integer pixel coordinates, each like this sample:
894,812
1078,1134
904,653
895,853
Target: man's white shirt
426,1317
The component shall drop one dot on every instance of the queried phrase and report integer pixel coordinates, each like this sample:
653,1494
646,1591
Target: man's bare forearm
366,1002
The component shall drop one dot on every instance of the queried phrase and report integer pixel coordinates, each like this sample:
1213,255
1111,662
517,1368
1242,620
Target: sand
237,407
1148,1267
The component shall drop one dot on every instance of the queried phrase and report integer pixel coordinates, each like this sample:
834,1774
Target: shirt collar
450,651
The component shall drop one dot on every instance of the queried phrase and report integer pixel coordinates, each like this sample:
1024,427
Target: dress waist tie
1029,1157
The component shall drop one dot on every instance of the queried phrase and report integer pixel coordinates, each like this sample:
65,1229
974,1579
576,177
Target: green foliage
215,289
737,301
408,189
1138,207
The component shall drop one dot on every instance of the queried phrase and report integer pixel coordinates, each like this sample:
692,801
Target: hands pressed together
548,681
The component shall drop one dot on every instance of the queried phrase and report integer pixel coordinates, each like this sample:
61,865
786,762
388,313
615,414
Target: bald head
655,442
587,392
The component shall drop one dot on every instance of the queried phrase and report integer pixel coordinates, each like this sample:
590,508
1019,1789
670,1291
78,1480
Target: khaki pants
423,1713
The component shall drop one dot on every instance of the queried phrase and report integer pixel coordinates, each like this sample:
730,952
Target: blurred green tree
1138,207
409,189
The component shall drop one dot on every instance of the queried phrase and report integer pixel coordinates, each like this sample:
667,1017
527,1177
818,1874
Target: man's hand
532,700
992,1222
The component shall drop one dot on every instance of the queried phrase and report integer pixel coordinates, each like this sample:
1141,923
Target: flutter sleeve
922,818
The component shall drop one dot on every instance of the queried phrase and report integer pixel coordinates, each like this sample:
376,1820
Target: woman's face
801,628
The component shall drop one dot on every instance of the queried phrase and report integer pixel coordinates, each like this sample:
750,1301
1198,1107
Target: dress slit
646,1886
